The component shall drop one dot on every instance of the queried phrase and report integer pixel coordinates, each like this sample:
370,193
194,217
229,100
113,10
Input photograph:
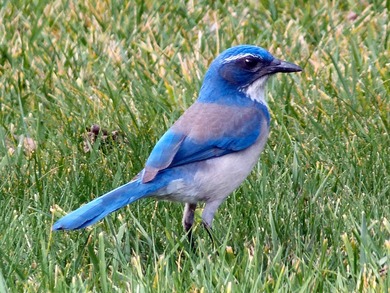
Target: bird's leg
208,216
208,230
188,221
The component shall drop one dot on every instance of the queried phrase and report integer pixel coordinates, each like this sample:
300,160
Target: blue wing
203,132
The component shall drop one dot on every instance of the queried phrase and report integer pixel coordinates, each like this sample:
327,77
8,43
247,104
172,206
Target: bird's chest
218,177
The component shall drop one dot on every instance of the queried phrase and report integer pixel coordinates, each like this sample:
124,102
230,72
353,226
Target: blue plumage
102,206
212,147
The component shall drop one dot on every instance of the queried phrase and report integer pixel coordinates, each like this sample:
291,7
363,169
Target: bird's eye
250,63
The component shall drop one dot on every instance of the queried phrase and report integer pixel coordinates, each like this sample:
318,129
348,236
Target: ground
314,214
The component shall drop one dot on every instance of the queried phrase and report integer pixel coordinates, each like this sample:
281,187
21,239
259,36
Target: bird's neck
251,96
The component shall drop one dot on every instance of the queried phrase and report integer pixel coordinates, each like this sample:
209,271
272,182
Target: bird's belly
216,178
222,175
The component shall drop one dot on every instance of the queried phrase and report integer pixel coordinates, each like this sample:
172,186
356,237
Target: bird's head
243,68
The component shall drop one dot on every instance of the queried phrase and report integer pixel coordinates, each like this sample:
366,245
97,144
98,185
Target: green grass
314,214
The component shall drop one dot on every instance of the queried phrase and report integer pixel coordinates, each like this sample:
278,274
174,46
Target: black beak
279,66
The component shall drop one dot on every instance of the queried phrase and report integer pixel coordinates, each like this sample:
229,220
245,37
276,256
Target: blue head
242,71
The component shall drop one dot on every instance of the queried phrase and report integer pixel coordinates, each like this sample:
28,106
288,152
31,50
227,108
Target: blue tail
105,204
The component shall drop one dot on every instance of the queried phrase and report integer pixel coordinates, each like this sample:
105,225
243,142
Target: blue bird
209,150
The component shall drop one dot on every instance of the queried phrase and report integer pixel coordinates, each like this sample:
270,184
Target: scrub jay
209,150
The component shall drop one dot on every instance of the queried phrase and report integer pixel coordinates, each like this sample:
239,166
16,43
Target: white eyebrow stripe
239,56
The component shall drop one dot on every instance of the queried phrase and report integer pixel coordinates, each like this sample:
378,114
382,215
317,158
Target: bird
210,150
